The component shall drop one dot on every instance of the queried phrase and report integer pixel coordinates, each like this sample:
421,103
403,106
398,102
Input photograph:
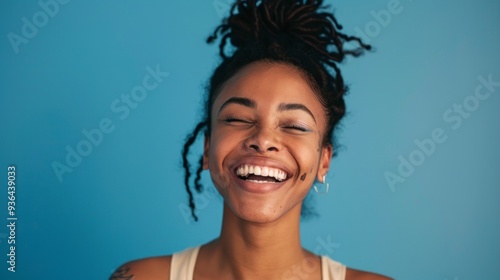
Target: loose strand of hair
223,46
185,163
197,185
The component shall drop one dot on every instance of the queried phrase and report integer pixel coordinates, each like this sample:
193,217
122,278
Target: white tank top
182,266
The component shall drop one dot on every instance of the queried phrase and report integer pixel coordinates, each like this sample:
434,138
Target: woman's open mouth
260,174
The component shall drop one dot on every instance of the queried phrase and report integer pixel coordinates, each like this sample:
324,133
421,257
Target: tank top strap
332,270
182,264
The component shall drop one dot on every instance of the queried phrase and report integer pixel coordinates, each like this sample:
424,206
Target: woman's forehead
272,81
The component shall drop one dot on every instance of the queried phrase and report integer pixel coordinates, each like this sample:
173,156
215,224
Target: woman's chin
258,217
258,213
260,203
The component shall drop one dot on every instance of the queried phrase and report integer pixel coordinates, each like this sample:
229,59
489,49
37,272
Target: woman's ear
324,162
206,149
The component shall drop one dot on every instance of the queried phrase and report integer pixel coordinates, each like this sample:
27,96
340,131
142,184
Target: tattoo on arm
122,273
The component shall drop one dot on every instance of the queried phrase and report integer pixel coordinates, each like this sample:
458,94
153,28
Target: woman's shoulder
354,274
147,268
351,273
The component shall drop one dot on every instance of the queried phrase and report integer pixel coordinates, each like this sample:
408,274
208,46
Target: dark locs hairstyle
299,33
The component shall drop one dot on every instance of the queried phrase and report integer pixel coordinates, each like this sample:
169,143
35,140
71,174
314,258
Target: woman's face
265,148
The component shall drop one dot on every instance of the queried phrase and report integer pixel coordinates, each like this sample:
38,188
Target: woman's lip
254,187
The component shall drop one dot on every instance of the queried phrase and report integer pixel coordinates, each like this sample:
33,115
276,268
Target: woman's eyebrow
295,106
238,100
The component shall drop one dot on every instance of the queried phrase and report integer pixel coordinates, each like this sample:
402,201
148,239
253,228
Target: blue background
125,200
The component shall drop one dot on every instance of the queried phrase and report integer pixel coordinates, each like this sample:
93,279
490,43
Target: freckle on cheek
303,177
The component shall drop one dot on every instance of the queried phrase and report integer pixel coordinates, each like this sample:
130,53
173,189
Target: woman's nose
263,140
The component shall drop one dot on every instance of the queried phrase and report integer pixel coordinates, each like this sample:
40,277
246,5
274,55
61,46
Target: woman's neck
249,250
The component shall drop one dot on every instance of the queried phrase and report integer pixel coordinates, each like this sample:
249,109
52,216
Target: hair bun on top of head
290,23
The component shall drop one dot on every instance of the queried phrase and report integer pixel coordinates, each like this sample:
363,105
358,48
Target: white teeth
241,171
264,171
256,170
258,181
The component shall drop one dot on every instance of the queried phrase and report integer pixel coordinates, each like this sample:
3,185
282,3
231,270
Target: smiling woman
271,111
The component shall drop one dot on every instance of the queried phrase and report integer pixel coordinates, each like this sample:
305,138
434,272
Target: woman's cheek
307,156
217,166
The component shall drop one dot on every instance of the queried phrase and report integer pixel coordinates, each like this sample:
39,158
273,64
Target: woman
271,110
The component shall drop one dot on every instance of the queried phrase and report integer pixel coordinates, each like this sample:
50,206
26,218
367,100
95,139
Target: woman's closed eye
237,120
233,119
243,121
295,127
